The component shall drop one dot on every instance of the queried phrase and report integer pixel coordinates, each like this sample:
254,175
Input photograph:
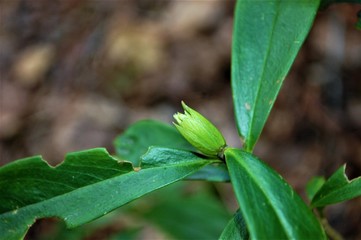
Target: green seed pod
200,132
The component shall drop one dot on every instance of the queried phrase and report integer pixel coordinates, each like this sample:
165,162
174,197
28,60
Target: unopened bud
200,132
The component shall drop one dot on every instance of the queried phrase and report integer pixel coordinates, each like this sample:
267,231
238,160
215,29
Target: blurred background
76,73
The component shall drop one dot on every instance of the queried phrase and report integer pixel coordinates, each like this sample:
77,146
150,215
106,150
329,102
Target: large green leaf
184,214
195,217
270,207
85,186
236,228
266,38
337,189
136,140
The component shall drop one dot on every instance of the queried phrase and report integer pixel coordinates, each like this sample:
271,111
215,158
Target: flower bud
200,132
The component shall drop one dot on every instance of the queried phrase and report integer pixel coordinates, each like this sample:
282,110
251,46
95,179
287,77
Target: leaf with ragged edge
267,36
236,228
85,186
337,189
270,207
136,140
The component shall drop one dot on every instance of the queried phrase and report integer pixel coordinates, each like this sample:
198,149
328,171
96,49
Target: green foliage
184,215
59,231
201,216
337,189
313,186
135,141
236,228
87,185
266,39
216,172
271,208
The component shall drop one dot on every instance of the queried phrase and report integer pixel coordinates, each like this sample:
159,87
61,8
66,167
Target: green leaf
87,185
236,228
214,173
313,186
270,207
337,189
266,39
112,221
136,140
182,215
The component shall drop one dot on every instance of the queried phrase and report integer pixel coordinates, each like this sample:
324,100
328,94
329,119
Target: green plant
151,155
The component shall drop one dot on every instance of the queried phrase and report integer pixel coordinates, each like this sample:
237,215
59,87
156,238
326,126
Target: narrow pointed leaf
270,207
266,39
136,140
85,186
236,228
337,189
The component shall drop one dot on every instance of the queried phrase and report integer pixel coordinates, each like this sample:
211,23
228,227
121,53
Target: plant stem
330,231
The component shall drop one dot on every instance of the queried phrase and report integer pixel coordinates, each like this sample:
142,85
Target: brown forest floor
74,74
